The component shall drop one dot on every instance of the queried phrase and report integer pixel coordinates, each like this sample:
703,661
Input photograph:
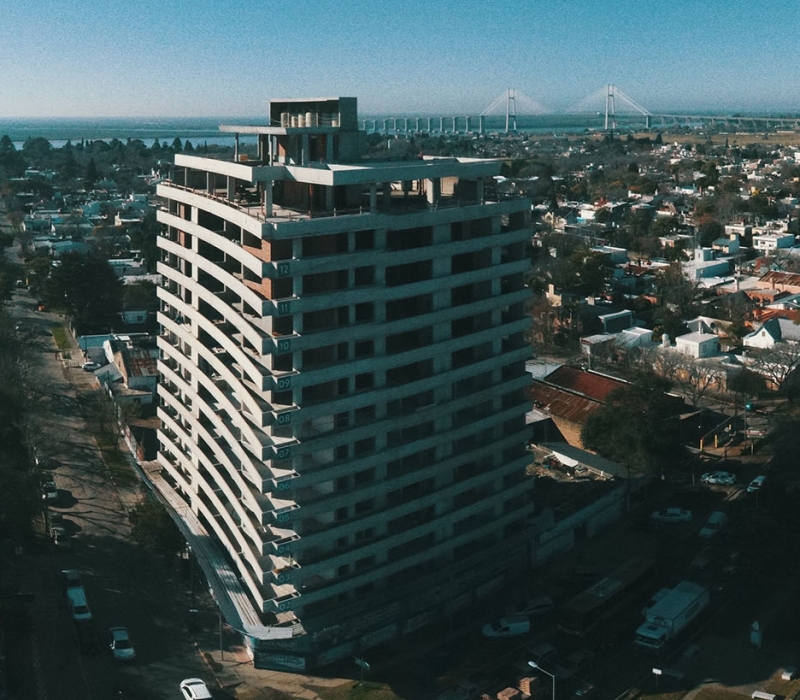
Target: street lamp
533,664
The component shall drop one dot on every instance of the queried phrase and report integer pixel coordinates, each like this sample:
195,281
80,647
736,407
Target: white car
756,484
671,515
719,478
195,689
90,366
121,644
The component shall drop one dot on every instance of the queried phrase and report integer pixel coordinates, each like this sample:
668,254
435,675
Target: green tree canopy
88,290
637,426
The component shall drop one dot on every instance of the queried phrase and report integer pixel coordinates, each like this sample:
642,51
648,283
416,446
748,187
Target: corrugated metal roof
590,384
562,404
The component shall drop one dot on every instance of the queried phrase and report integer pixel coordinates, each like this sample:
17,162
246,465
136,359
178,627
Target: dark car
71,578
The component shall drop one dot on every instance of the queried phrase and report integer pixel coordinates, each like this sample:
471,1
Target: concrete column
481,189
417,125
455,126
329,198
231,187
441,124
386,126
429,125
387,195
434,190
236,147
466,125
481,124
304,149
373,196
268,198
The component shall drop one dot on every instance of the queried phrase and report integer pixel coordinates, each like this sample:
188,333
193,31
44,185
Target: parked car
539,605
78,607
756,484
671,515
581,662
71,578
541,652
533,607
90,366
60,537
120,644
49,491
715,523
509,626
703,559
719,478
195,689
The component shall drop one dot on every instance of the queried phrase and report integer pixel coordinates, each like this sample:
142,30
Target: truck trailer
670,614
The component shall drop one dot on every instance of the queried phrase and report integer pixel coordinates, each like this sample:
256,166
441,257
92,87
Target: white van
716,521
78,607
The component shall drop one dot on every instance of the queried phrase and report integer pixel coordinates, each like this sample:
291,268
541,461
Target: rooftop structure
343,384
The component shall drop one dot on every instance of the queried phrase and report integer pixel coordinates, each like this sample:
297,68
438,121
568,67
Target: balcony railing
397,205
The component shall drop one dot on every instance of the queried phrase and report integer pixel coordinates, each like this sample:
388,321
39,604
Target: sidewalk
234,673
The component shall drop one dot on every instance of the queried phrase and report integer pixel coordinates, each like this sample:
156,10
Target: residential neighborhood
661,377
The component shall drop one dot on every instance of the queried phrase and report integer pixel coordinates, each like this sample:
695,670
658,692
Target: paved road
125,585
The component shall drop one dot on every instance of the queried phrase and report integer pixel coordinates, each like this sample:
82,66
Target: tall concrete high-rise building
343,371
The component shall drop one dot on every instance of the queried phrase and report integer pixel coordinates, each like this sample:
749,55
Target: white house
697,344
769,242
774,331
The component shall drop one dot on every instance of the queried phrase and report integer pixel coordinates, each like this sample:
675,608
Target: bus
582,613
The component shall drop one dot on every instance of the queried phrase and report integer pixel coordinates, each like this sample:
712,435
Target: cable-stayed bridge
609,101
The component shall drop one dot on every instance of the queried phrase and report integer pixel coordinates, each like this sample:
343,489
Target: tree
676,290
695,378
776,363
92,175
637,426
12,162
709,230
153,528
37,150
141,296
88,290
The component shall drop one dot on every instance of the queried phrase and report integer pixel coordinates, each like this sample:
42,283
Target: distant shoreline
205,130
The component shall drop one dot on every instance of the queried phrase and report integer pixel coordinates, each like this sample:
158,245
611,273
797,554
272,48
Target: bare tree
694,378
777,363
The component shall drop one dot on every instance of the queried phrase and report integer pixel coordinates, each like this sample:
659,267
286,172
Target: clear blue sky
229,57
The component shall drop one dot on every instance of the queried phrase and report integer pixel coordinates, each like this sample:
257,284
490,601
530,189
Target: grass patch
355,691
62,340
